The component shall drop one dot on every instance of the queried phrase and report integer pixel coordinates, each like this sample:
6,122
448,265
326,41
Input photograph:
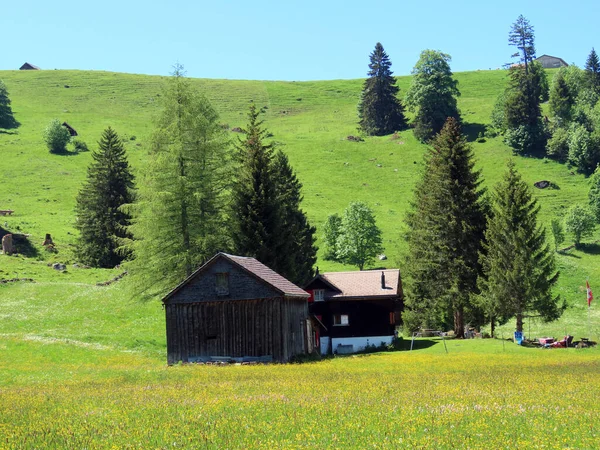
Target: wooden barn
70,129
235,307
28,66
551,62
356,309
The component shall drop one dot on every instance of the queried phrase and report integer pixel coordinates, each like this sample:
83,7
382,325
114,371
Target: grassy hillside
309,119
83,366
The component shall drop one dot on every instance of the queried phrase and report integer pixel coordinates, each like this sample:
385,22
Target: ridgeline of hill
311,120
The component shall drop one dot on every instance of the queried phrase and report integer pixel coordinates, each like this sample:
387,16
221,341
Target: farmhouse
356,308
551,62
28,66
235,307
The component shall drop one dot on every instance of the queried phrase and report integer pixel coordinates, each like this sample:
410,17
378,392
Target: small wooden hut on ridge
236,308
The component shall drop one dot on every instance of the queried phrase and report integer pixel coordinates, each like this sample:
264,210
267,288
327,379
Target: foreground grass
480,395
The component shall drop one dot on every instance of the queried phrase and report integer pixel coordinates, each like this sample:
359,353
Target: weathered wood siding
235,328
241,286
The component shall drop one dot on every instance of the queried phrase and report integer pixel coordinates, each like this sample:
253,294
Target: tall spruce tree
592,71
432,94
297,235
256,213
446,229
525,131
518,264
380,111
179,218
101,222
7,119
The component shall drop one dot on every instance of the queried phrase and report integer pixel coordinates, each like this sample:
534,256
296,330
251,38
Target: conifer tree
256,215
380,112
518,264
101,222
7,119
179,218
561,98
297,235
432,94
592,69
525,131
446,228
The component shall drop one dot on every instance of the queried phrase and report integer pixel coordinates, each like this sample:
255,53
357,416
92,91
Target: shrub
80,146
526,139
584,149
56,137
558,146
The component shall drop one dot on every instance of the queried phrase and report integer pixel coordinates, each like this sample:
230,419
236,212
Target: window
222,286
341,320
319,295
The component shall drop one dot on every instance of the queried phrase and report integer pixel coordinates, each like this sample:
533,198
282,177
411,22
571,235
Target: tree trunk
459,323
492,327
520,322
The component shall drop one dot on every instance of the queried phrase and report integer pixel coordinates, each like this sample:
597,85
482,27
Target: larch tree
432,94
256,220
7,119
179,218
518,264
446,228
297,235
101,222
380,111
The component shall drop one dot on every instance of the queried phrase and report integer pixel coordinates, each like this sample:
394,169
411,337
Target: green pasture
84,366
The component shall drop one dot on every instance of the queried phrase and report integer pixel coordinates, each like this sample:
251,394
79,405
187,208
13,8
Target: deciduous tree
101,222
580,222
380,111
432,94
56,137
359,241
179,217
446,229
518,264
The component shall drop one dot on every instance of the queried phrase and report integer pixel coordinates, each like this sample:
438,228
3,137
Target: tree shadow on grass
472,130
589,249
419,344
8,132
570,255
65,153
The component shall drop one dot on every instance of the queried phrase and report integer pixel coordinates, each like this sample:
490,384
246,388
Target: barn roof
554,57
362,284
28,66
254,268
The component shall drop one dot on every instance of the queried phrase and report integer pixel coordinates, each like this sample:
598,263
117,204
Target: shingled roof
254,268
362,284
262,272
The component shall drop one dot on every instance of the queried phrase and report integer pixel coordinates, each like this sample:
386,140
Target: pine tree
525,131
592,69
562,99
521,36
179,219
518,264
7,119
256,215
432,94
101,222
446,228
297,235
380,112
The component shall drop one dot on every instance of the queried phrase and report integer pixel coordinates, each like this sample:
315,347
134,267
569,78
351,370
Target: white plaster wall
324,344
359,343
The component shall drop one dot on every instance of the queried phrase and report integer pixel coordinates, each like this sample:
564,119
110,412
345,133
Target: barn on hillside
28,66
551,62
237,308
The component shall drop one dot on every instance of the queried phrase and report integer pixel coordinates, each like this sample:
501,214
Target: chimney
382,280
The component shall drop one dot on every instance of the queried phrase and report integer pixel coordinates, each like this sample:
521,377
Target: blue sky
279,40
